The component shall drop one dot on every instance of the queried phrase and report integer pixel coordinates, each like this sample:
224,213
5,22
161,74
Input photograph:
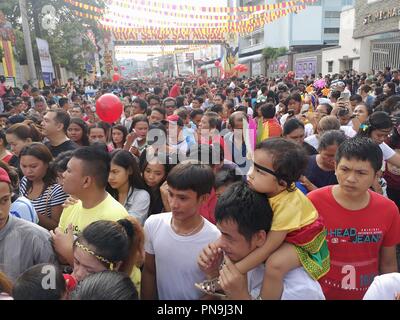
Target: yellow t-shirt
109,209
291,211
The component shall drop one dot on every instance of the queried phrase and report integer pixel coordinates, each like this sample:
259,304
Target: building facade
315,27
369,38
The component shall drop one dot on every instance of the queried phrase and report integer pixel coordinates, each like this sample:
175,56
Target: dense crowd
243,188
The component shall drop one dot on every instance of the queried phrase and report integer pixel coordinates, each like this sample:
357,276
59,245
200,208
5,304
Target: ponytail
111,242
135,233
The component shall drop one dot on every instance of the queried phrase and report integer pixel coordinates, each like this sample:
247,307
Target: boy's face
355,176
184,203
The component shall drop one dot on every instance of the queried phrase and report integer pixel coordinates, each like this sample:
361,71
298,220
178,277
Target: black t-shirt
309,149
317,176
65,146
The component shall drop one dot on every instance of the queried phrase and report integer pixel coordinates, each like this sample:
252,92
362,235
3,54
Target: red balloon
115,68
116,77
109,108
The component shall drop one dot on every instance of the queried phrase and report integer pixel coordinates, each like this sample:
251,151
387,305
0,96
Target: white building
316,26
369,38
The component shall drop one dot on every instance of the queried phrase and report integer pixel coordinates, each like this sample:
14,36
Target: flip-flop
211,287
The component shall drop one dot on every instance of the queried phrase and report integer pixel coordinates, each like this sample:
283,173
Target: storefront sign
382,15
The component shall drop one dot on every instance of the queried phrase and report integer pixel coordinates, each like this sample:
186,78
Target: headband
265,169
100,258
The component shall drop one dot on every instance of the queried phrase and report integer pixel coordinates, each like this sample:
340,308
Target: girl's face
295,105
379,136
33,168
97,135
361,113
117,136
154,175
141,129
85,264
75,132
296,136
16,144
118,176
262,181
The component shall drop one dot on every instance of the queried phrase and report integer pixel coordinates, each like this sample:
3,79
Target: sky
123,16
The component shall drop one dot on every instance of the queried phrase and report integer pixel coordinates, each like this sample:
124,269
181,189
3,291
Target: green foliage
65,46
270,53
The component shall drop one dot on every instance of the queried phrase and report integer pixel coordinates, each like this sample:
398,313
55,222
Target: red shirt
354,241
7,158
2,89
175,91
207,209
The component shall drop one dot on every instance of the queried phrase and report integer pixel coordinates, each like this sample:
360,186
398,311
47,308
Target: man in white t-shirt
175,239
384,287
244,219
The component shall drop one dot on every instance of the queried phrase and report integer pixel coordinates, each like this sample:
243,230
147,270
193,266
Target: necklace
186,234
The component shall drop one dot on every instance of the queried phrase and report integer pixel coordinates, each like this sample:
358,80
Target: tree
270,53
64,48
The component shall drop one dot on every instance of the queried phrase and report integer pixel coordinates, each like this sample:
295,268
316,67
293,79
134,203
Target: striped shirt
51,197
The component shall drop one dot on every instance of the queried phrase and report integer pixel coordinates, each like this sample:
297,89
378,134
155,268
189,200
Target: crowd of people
242,188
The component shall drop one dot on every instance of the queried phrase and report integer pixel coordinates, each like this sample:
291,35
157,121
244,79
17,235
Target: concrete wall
368,7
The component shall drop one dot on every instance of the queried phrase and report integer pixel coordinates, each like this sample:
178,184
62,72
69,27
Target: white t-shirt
312,141
384,287
348,131
297,285
308,130
23,208
176,256
387,151
308,127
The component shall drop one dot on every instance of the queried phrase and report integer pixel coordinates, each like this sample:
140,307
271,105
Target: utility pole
28,42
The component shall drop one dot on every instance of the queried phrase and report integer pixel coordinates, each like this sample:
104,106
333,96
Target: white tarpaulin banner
45,58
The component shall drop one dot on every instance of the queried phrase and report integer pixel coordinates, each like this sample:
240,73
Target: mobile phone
345,96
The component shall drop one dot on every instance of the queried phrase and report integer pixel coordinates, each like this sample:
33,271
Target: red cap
4,176
173,117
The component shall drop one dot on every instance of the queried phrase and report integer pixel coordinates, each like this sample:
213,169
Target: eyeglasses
321,112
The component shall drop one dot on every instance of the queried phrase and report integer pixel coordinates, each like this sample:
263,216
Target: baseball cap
4,176
175,118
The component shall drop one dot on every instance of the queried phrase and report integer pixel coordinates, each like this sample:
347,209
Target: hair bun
127,225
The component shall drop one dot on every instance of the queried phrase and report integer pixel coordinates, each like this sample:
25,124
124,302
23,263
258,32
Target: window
332,14
331,30
330,66
347,2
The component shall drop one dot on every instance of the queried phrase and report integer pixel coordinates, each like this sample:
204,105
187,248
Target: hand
69,202
210,260
307,183
131,137
135,151
164,189
233,282
63,243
